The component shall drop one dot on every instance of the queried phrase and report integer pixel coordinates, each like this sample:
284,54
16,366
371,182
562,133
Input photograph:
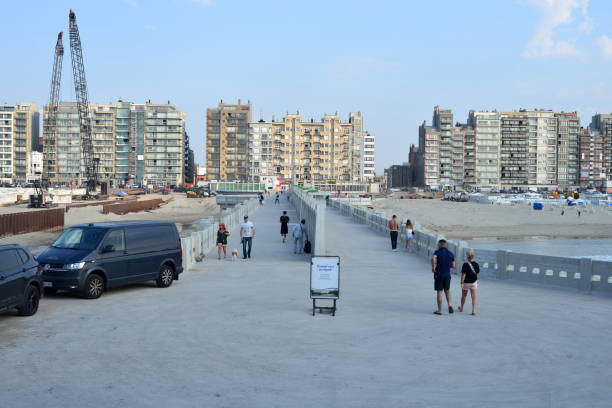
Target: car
21,282
91,258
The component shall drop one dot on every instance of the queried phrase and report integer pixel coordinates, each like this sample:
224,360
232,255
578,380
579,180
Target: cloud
553,14
149,27
605,44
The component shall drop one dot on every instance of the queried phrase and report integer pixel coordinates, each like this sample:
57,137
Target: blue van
91,258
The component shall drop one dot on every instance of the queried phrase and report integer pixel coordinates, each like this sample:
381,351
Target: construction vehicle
41,198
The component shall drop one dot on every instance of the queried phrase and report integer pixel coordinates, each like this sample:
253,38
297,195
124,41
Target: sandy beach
456,220
180,209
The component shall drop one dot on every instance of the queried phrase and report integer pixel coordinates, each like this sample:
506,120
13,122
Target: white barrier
311,209
204,239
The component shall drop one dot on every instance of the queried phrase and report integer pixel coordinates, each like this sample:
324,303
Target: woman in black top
222,234
469,281
284,220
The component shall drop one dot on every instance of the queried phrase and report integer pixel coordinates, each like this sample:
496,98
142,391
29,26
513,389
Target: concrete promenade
241,334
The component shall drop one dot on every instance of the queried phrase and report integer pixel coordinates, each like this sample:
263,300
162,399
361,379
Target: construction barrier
133,206
31,221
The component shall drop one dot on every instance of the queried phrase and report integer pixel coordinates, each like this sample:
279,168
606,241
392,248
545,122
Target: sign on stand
324,281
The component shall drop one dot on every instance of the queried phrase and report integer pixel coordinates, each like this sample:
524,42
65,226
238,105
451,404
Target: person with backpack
299,233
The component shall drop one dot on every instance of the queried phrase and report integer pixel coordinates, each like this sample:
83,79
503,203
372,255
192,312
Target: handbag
307,247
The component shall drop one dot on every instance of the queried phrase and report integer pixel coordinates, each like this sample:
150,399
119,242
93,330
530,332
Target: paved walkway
241,334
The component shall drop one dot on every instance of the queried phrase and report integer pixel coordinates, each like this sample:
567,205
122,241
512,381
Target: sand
182,210
467,221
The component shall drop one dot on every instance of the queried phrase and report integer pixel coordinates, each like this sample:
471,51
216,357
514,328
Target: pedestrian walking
469,281
277,199
299,233
441,263
222,235
284,220
247,233
394,230
409,235
261,199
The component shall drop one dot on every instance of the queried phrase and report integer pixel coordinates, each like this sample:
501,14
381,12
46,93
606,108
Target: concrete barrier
204,239
583,274
311,209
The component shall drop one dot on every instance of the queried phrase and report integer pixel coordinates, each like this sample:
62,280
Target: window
9,260
116,238
151,238
80,238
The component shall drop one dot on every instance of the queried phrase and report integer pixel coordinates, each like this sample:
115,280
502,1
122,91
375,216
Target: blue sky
391,60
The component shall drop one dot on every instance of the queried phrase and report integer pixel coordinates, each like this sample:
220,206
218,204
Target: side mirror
108,248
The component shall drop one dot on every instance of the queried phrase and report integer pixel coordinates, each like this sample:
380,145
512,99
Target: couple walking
247,233
441,263
298,232
394,228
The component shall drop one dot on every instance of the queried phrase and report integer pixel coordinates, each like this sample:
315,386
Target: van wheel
94,286
166,276
30,303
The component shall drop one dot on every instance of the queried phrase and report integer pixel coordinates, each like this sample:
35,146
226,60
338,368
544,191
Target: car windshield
80,238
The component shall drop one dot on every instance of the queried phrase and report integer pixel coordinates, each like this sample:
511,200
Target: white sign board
325,277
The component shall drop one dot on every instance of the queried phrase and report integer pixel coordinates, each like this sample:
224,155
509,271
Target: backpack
307,247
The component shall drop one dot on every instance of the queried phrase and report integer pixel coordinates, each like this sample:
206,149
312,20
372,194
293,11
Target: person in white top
299,233
409,236
247,233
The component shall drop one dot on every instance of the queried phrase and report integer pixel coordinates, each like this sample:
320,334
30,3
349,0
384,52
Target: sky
391,60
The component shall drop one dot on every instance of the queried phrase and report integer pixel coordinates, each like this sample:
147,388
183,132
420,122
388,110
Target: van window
9,260
151,238
80,238
24,256
116,238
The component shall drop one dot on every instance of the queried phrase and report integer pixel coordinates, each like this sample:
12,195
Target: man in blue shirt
441,263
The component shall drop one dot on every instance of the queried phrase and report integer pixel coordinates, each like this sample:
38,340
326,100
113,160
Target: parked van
91,258
20,280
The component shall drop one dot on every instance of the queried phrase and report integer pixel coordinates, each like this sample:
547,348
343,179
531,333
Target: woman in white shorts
409,235
469,280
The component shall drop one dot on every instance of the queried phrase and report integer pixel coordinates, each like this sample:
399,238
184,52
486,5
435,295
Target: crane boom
50,142
80,90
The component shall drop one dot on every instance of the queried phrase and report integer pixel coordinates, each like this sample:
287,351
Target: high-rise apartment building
133,143
227,128
369,158
601,124
593,165
521,149
19,134
330,151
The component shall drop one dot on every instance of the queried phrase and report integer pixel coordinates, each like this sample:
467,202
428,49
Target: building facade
369,157
227,128
134,143
593,166
19,136
500,150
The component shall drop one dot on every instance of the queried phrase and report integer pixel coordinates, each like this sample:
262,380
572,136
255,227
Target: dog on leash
234,254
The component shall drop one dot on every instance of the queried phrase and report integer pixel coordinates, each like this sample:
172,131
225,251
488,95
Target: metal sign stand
324,282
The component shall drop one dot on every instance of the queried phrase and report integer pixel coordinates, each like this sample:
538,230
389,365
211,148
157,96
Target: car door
12,282
142,247
113,257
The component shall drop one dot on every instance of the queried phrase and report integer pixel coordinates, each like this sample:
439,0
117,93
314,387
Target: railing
202,241
311,209
583,274
31,221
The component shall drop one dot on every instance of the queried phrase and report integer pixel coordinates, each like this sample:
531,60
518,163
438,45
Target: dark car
20,280
91,258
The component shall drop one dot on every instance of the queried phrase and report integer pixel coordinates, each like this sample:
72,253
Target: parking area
241,334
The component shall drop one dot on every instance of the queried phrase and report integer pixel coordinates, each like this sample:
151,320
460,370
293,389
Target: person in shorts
409,236
222,234
469,281
441,263
284,221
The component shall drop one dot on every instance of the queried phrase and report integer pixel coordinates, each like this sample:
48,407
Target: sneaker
450,310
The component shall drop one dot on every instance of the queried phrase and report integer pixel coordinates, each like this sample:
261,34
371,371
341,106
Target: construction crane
80,90
51,128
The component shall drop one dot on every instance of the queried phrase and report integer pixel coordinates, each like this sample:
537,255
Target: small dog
234,254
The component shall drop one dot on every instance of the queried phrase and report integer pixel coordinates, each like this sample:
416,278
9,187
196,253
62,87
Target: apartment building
133,143
227,128
19,135
593,166
369,159
330,150
520,149
35,166
601,124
